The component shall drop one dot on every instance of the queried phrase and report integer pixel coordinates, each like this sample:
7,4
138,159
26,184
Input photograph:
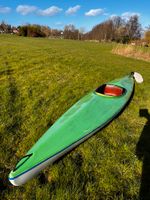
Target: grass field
39,80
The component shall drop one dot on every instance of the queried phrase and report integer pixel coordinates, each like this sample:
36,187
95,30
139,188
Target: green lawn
39,80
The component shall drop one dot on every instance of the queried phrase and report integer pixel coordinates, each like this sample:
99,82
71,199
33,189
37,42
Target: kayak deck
90,113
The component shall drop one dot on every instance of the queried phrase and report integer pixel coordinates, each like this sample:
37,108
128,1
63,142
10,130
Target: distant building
15,31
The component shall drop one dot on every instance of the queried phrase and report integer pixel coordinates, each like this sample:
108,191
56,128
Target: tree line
69,32
114,29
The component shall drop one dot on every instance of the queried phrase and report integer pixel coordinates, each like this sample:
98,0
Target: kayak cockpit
110,90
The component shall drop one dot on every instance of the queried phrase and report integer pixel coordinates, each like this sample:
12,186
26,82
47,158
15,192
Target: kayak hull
74,127
24,177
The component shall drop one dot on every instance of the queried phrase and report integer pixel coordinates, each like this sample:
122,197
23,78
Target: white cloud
53,10
73,10
94,12
127,15
25,9
4,10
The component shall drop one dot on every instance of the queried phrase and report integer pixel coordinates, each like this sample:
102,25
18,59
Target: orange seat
112,90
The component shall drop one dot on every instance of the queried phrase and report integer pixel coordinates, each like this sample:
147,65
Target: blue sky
81,13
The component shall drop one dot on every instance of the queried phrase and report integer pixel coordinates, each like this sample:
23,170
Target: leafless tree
133,28
70,32
5,28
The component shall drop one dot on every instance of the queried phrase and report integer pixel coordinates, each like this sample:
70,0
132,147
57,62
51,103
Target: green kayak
83,119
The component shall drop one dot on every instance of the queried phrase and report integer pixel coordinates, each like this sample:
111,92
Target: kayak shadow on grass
143,154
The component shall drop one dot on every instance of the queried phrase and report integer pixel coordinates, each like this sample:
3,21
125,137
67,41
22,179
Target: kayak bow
83,119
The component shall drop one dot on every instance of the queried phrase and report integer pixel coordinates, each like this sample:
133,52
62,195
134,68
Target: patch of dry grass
141,53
